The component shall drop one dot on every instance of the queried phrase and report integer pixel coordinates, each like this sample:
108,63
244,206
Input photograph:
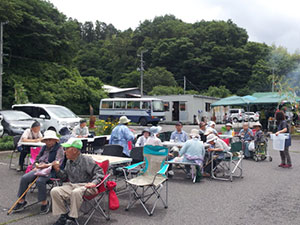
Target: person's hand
277,133
41,165
55,165
90,185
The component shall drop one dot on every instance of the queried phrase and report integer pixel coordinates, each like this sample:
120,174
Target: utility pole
184,84
273,79
1,59
142,71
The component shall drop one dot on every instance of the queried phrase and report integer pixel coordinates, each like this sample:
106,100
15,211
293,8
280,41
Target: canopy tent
232,100
257,98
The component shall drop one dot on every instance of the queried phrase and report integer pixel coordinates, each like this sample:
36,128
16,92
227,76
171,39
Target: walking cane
11,209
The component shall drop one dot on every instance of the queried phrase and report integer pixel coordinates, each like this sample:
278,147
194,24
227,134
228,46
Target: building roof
112,89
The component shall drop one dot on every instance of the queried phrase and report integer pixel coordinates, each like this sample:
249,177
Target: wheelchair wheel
255,158
263,157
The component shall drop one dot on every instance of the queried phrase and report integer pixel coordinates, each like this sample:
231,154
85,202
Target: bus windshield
157,106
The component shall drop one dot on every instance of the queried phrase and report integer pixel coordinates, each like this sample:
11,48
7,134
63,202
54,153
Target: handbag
251,146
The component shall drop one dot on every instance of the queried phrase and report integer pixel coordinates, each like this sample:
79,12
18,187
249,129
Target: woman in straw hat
121,135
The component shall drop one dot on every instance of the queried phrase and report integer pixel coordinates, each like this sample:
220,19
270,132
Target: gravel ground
266,195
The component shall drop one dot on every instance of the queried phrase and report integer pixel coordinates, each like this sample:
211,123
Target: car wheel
251,120
235,120
51,128
143,121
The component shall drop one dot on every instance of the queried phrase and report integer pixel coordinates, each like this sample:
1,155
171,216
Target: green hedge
6,143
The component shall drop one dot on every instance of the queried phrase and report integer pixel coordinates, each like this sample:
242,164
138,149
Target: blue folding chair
151,180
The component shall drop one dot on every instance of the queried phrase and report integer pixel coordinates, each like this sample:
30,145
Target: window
166,106
146,105
26,109
207,107
157,106
119,105
133,105
107,105
182,106
41,111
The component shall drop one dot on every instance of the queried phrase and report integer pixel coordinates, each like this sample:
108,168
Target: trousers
41,184
285,156
69,193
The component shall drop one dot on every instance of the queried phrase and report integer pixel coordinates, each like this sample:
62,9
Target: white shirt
141,141
153,140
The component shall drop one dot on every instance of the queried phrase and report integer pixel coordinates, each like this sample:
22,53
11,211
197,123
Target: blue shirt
193,147
120,136
180,137
248,134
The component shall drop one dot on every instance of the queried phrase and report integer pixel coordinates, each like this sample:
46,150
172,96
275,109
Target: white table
32,144
90,140
170,144
223,136
113,160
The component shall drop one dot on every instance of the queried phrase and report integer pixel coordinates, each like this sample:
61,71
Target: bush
103,127
6,143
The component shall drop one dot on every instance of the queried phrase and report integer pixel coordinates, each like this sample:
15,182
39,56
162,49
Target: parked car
237,115
15,122
251,116
51,116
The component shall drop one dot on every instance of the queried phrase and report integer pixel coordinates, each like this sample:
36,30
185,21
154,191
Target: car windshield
15,115
61,112
158,106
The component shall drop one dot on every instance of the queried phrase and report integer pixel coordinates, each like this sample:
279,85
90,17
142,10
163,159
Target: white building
188,109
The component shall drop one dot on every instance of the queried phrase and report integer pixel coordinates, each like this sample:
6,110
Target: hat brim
123,122
49,138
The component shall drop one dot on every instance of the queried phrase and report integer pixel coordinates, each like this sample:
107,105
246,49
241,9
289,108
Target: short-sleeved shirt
179,136
29,134
153,140
141,141
248,134
78,131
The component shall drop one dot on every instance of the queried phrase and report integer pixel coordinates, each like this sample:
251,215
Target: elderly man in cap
82,174
81,130
32,134
121,135
51,152
179,135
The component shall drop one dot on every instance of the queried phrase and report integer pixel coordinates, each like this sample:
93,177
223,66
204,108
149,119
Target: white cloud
266,21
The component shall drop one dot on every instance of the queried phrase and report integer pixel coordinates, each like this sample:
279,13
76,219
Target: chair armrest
163,170
132,166
105,178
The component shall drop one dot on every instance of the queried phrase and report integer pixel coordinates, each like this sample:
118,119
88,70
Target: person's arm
183,149
129,136
86,132
60,155
138,142
172,136
283,130
62,174
96,172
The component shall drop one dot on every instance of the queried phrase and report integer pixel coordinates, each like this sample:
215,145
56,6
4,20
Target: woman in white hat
193,151
229,131
49,153
153,139
121,135
216,145
259,135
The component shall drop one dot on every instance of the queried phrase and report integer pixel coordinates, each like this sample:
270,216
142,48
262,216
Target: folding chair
230,164
16,141
151,180
94,201
113,150
137,154
98,144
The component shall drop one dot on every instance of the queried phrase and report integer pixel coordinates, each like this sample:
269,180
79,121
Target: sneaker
287,166
62,220
71,221
20,206
45,208
281,165
171,173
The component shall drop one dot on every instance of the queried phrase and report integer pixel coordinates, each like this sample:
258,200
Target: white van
51,116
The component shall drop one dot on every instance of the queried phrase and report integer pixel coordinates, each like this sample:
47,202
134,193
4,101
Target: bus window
146,105
182,106
133,105
157,106
166,106
119,104
107,105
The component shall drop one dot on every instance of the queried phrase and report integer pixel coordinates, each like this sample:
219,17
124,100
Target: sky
267,21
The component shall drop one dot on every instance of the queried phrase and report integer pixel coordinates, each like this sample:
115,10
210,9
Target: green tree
20,94
220,92
166,90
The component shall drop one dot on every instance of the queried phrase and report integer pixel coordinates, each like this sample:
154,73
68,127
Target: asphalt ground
266,195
